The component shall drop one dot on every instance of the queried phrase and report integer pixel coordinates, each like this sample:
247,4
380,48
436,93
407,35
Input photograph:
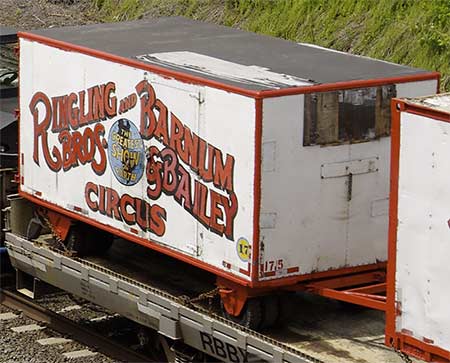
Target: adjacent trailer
263,161
418,320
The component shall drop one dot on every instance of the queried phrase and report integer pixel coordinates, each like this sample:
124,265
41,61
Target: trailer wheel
77,241
87,240
271,311
100,241
250,316
286,308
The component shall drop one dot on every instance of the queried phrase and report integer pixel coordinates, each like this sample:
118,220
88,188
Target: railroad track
86,336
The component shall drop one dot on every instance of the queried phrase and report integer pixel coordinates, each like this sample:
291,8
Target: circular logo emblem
243,249
126,152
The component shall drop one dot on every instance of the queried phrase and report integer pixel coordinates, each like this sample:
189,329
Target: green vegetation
410,32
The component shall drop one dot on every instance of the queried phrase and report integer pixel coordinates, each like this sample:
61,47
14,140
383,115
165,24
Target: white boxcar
260,160
418,319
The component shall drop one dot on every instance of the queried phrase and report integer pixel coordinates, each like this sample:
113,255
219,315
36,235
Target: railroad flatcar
260,160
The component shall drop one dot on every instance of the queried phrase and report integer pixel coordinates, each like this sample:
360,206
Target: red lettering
202,200
83,119
190,152
68,159
101,199
153,172
98,108
148,118
99,167
126,201
231,207
40,132
169,176
216,213
158,218
88,190
74,112
147,217
183,193
223,174
142,214
161,131
110,102
112,204
205,172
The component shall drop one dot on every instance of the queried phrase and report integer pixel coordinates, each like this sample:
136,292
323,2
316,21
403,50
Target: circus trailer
262,161
417,320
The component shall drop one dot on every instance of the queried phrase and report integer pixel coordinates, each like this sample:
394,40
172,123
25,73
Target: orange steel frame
403,340
364,288
254,283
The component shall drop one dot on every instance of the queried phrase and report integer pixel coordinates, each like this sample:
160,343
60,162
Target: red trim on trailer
391,307
204,81
421,349
290,282
257,191
403,340
245,272
422,110
144,242
269,274
349,84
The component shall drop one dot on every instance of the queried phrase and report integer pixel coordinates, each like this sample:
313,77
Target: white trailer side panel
423,233
119,165
307,223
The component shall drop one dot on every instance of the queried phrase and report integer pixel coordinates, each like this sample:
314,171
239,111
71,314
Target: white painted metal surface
423,232
307,222
104,140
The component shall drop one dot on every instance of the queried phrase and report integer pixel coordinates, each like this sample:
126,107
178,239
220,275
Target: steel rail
68,327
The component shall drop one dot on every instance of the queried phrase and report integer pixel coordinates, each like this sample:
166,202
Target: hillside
409,32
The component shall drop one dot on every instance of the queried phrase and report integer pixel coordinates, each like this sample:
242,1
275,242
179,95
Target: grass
410,32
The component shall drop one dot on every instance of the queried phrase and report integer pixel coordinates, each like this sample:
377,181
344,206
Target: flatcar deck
145,287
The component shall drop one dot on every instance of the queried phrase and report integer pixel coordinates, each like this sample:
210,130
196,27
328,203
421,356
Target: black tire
76,241
250,316
99,241
271,311
86,240
286,308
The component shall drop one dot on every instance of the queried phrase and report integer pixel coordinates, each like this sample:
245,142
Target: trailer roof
7,35
227,55
439,102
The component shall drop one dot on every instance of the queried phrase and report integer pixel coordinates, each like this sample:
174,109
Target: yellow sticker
243,249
